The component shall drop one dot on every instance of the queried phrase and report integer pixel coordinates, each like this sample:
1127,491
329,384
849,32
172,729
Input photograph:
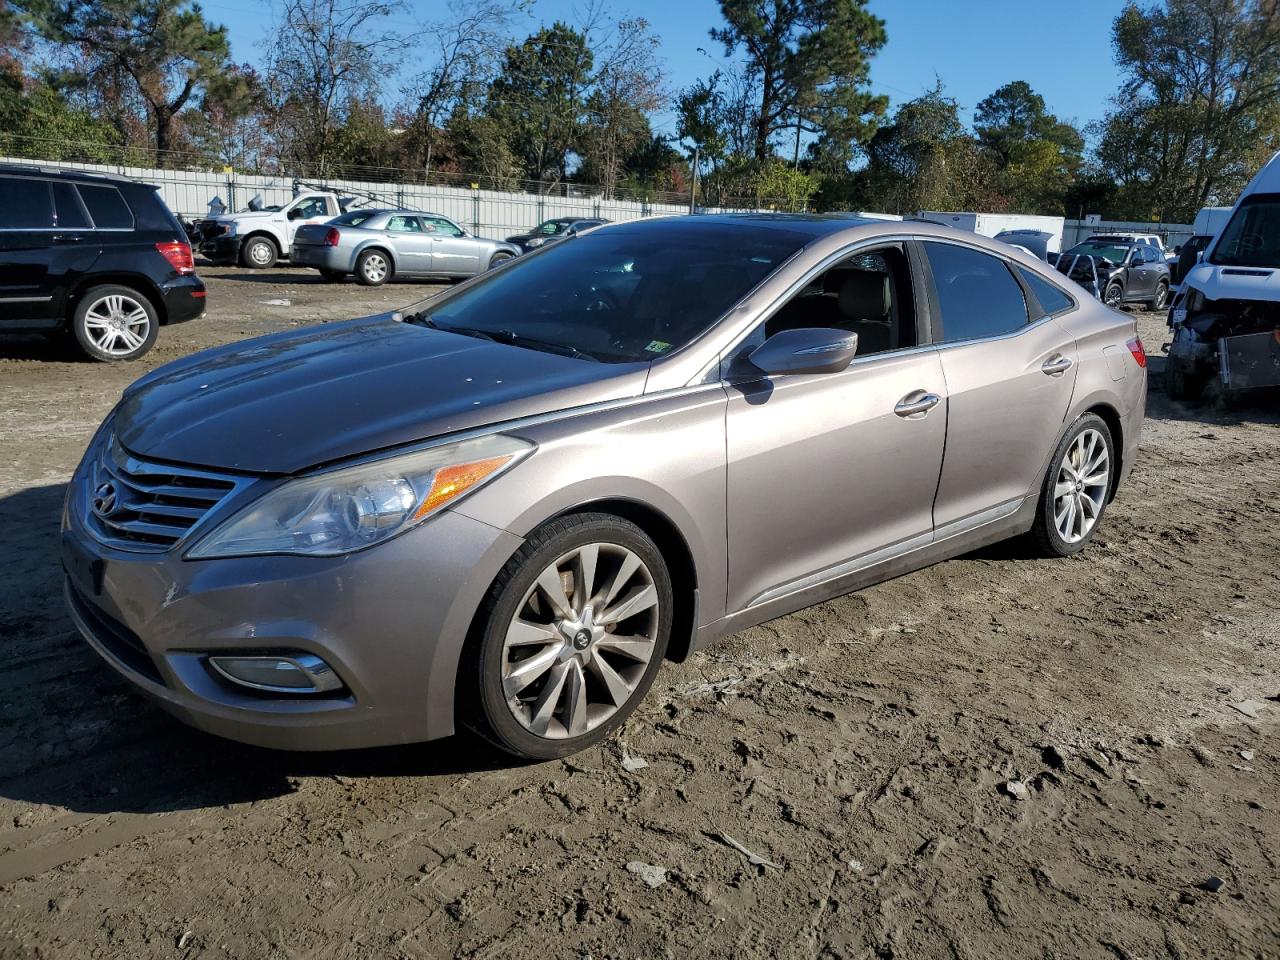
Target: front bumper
391,621
222,249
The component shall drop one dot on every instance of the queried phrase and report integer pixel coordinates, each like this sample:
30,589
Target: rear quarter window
107,207
1051,297
25,204
149,209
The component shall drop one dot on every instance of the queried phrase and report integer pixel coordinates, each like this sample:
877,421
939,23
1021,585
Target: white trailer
990,224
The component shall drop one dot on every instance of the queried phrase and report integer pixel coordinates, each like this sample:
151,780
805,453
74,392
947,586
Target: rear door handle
916,405
66,238
1056,365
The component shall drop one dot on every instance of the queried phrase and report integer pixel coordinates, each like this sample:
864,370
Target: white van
1226,317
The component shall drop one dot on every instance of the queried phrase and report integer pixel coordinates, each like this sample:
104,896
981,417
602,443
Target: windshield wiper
533,343
427,321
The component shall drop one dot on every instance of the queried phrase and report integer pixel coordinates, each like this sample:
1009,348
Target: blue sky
1062,50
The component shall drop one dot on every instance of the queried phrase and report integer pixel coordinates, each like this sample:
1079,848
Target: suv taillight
179,256
331,237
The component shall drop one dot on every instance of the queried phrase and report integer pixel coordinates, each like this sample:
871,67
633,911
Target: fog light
291,673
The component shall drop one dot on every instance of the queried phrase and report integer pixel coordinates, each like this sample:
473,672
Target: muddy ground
861,748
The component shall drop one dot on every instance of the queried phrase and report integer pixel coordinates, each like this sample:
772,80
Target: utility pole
693,181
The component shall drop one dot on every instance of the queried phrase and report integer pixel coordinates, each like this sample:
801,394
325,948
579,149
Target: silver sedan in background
376,245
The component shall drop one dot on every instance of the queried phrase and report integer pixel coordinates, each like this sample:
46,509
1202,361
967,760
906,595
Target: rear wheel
574,630
1076,488
113,323
1161,298
373,268
259,253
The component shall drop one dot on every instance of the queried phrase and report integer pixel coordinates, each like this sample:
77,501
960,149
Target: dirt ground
862,748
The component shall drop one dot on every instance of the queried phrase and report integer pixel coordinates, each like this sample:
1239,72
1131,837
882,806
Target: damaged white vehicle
1226,316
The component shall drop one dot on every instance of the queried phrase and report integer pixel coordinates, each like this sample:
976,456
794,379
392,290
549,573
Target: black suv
99,255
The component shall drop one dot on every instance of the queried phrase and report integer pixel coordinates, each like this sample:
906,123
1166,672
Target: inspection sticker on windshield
658,346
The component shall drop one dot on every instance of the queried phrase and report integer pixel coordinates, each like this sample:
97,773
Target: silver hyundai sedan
506,506
376,245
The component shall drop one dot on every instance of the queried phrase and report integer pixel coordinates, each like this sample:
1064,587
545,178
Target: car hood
1234,283
282,403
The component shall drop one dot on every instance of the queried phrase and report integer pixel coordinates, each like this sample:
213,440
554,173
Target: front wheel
575,628
373,268
259,253
1161,298
499,258
1113,296
1076,488
113,323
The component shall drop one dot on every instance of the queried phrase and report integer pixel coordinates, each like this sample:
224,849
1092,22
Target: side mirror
295,213
1199,256
807,350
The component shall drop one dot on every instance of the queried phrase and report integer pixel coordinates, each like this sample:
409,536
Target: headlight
337,512
535,242
231,229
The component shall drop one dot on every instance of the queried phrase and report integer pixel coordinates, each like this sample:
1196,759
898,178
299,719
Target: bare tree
322,56
468,45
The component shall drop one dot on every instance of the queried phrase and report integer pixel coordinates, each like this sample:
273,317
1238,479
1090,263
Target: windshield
1115,252
1252,237
619,295
353,219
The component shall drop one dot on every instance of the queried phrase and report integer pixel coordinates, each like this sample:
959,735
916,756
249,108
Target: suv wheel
259,253
575,628
1161,297
1076,488
115,323
1113,296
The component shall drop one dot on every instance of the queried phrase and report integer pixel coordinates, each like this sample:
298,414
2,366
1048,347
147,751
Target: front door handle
66,238
916,405
1056,365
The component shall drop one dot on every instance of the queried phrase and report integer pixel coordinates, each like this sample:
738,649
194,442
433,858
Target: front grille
117,639
147,507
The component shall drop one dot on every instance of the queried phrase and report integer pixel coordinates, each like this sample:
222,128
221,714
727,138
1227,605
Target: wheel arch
385,249
1111,417
281,251
134,281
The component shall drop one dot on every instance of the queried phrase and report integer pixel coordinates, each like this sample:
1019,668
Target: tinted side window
1051,298
66,202
977,294
25,204
106,207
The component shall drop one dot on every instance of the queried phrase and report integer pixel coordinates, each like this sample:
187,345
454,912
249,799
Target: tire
373,268
332,276
1161,298
1181,385
584,662
1047,533
113,323
499,258
259,253
1113,296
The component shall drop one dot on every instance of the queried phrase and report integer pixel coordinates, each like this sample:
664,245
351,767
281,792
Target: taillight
331,237
179,256
1138,350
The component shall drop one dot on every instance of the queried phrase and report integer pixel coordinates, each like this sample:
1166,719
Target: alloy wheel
580,641
117,324
375,268
1080,492
1162,294
1113,296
